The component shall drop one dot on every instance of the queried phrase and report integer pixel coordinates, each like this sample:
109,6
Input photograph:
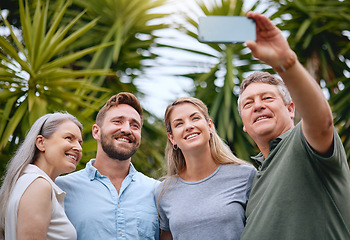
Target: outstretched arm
273,49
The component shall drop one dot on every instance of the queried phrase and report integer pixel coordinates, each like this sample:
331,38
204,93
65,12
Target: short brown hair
120,98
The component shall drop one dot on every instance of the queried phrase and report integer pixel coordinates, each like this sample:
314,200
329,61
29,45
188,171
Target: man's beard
120,154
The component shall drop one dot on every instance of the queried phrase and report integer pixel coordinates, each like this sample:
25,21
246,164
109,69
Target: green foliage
54,64
340,103
217,83
64,63
127,25
319,34
34,77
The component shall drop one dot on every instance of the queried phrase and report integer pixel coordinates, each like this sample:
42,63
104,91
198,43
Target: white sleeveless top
60,227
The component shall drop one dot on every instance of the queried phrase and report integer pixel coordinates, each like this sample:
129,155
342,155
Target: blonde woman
206,189
31,203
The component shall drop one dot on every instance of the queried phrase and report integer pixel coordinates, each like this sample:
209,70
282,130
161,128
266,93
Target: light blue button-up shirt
98,212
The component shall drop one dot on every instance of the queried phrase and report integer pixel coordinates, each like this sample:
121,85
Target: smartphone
226,29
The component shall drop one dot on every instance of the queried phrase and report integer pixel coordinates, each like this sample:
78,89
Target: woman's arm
34,211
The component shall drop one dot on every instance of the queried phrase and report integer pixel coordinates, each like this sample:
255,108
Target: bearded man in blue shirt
109,199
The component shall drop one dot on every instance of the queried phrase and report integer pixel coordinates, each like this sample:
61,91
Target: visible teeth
72,157
191,136
259,118
123,140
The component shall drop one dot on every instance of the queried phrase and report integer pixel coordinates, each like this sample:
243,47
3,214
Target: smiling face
120,133
189,128
263,112
62,150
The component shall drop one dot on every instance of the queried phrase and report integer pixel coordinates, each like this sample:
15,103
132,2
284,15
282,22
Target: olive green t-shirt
298,194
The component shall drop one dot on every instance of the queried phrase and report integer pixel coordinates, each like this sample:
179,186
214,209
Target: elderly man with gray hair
302,188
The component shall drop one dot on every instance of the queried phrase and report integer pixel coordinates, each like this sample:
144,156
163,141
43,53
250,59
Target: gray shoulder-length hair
27,153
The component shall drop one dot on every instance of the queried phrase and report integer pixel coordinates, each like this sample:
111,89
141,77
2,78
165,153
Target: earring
175,147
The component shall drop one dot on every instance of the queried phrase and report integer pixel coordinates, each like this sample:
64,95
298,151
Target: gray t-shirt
212,208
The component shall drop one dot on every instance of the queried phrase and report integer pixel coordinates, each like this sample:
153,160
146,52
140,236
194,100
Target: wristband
288,64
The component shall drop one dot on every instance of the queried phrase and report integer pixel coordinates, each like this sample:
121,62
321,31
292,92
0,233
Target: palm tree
34,76
130,25
124,29
217,71
317,33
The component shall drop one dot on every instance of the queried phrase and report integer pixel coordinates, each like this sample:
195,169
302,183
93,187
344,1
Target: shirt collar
93,173
259,159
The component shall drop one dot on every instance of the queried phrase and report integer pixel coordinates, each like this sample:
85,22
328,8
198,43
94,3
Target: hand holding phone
226,29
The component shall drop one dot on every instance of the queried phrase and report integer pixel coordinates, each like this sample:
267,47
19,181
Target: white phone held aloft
226,29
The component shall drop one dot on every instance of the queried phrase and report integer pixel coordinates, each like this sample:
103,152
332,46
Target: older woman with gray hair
31,203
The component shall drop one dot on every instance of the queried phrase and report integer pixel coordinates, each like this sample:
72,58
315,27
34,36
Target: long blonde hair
26,154
220,151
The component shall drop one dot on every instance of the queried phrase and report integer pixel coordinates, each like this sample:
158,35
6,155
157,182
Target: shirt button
118,205
120,233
